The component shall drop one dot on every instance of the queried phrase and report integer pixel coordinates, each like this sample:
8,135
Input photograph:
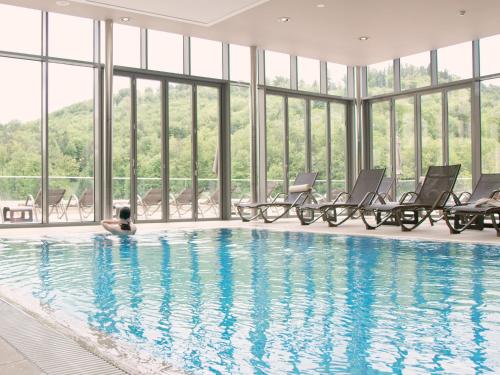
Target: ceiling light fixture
125,19
320,5
363,38
62,3
461,12
284,19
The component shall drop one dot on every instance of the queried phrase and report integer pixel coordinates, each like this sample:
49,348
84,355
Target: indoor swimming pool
242,301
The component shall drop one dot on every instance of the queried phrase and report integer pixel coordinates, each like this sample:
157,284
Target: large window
454,62
71,142
122,106
337,79
165,51
241,157
275,142
415,71
405,144
71,37
381,135
20,132
431,119
490,126
126,45
277,69
459,136
319,146
296,137
206,58
338,131
239,63
490,55
308,74
149,145
381,78
20,29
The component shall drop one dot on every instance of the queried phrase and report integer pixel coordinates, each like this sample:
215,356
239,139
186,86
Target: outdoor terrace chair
184,200
85,203
478,206
55,202
433,195
299,192
212,201
367,181
151,202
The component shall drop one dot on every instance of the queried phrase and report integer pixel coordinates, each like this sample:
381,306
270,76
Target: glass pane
490,126
71,143
337,79
381,136
308,74
432,130
296,138
490,56
126,45
275,143
415,71
20,137
459,136
121,141
277,69
208,151
454,62
180,116
319,146
149,164
206,58
405,145
241,157
338,147
239,63
381,78
25,24
165,51
71,37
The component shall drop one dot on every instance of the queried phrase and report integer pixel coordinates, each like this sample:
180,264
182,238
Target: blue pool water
252,301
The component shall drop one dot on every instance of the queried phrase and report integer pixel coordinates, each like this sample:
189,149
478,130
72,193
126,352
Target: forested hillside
71,138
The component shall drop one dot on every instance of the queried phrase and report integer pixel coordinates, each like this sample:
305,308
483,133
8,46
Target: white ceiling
204,13
395,27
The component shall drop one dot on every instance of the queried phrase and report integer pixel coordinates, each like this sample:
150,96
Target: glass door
207,171
148,150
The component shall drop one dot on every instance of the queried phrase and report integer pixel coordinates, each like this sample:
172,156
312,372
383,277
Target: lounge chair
151,202
299,192
85,203
184,201
478,206
32,205
212,201
368,180
435,192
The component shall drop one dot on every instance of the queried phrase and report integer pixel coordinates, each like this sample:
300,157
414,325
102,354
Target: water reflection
104,318
45,291
226,284
165,340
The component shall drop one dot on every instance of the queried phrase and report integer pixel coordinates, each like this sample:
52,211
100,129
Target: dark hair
125,213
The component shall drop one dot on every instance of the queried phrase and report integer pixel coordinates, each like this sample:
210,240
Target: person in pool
122,226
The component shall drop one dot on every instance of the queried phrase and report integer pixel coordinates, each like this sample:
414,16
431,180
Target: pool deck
16,359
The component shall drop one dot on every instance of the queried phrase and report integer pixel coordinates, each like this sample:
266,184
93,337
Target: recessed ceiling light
62,3
461,12
125,19
363,38
284,19
320,5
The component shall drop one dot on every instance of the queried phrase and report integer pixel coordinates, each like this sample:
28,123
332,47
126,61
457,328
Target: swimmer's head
125,213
